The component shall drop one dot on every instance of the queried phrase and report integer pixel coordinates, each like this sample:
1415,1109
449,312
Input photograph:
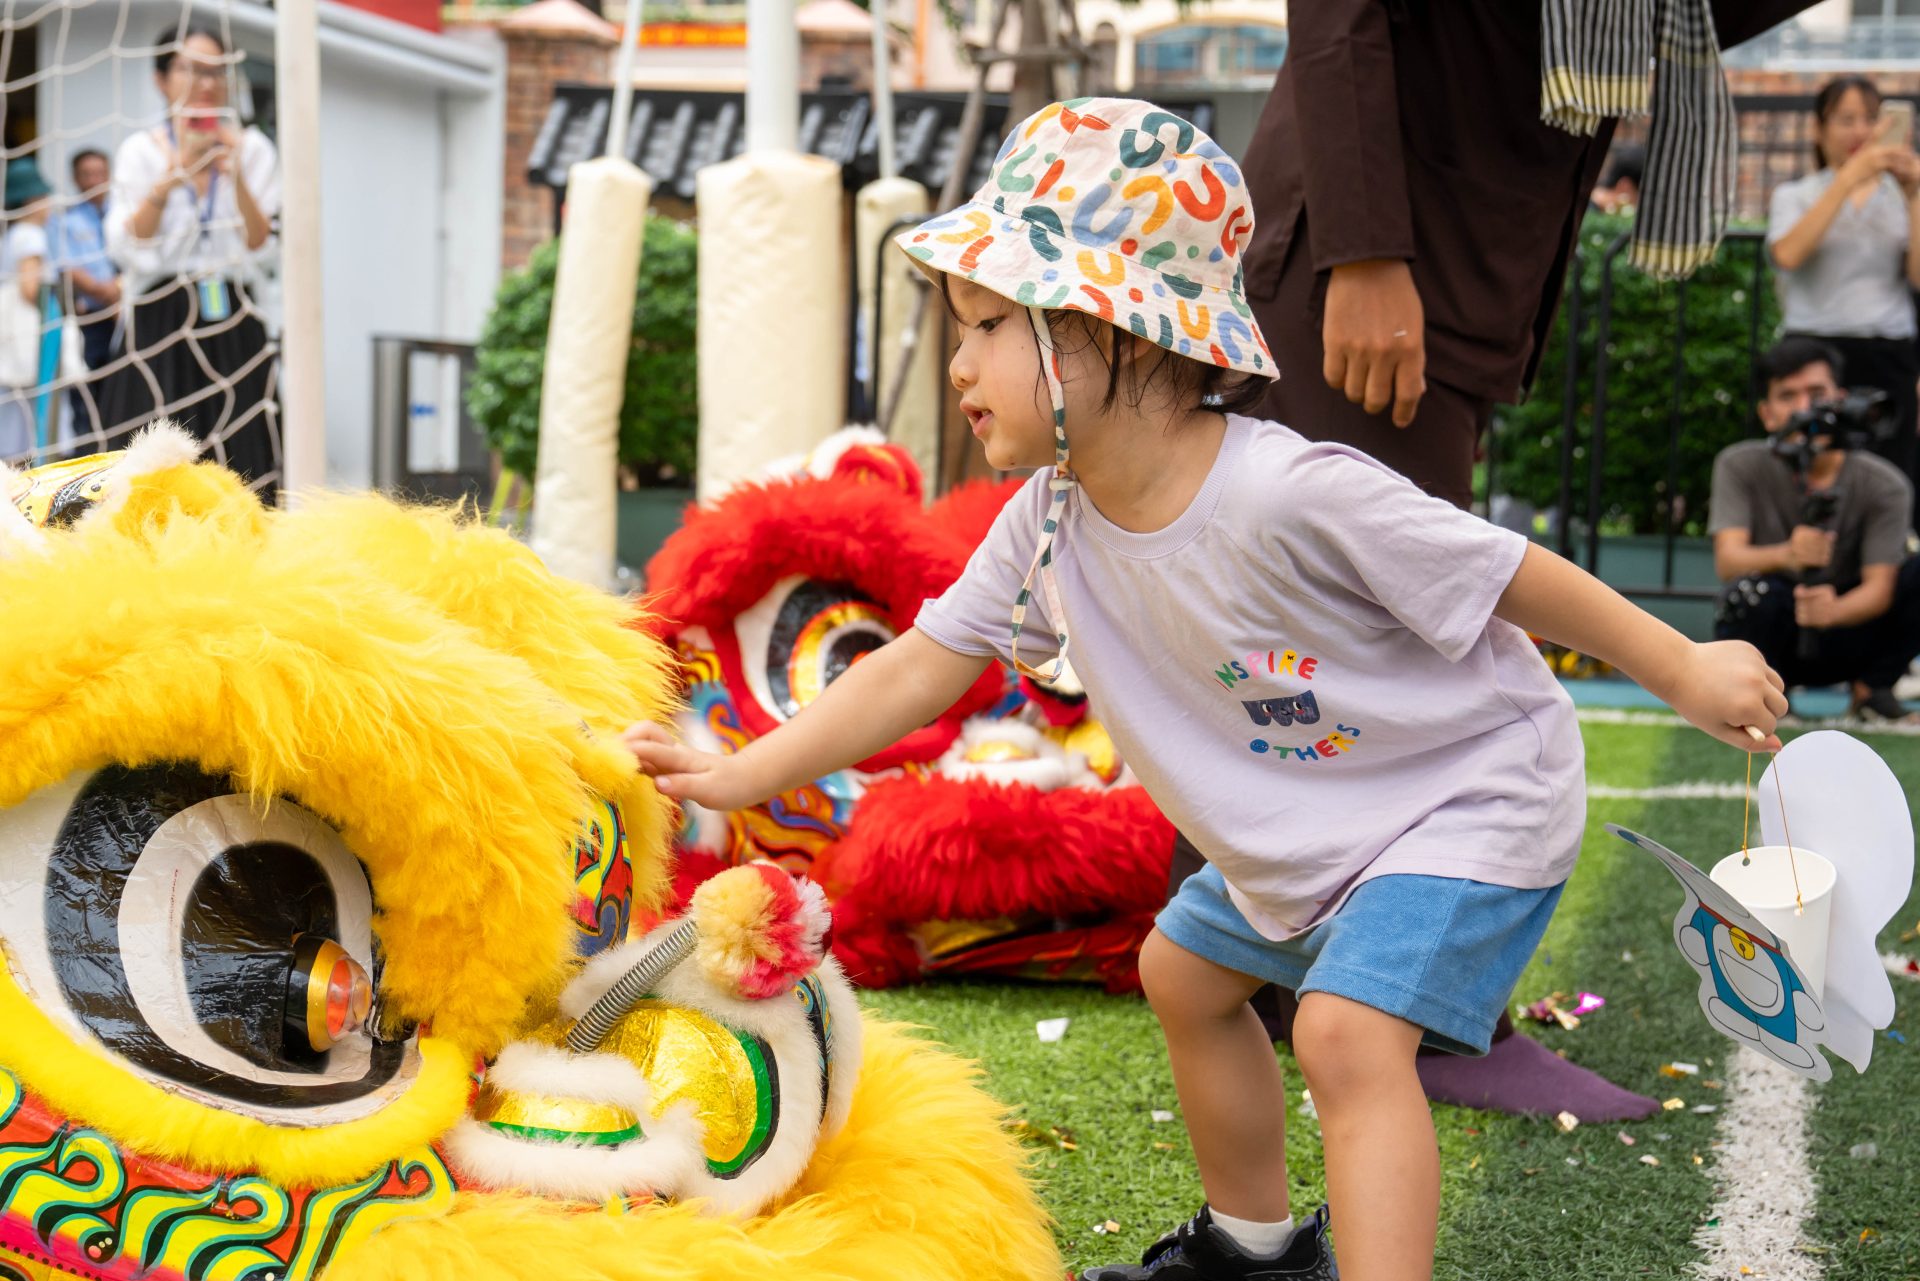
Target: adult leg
1891,366
1876,653
1758,609
1383,1163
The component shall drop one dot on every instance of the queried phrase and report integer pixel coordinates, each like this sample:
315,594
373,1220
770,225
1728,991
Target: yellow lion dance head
307,822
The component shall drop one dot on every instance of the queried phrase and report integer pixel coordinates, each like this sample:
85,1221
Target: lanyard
205,214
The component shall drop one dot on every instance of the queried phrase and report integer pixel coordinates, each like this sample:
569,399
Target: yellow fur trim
425,717
580,643
922,1183
81,1082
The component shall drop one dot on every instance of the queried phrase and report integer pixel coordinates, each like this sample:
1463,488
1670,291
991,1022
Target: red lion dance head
1004,838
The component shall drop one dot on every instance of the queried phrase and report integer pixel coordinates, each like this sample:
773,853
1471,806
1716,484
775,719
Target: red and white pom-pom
761,930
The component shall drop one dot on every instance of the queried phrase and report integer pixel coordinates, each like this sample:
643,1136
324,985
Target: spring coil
586,1034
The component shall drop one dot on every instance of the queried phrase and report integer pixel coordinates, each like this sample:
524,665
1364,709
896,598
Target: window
1169,52
1252,50
1211,54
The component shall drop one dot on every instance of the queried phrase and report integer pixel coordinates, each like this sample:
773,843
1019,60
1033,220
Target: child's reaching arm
879,700
1720,687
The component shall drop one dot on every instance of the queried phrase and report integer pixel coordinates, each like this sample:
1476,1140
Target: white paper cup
1765,887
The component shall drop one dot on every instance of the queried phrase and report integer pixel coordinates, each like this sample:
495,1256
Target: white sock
1259,1240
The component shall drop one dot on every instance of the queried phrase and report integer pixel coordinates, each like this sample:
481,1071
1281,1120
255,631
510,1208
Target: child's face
996,370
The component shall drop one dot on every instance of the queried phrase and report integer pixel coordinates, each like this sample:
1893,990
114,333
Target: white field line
1765,1188
1668,792
1625,716
1764,1184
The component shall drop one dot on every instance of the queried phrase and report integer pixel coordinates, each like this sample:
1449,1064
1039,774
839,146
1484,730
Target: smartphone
1896,123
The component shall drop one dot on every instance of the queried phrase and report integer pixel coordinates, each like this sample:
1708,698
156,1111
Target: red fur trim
727,556
691,870
943,849
877,957
1054,708
888,464
968,511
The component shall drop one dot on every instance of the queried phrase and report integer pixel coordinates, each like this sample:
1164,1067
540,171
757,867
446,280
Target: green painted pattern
541,1134
763,1108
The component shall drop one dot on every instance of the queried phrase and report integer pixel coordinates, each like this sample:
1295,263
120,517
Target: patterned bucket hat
1117,208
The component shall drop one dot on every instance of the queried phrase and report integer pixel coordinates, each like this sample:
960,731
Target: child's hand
715,782
1725,686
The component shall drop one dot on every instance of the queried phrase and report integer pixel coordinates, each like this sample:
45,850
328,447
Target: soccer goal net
140,260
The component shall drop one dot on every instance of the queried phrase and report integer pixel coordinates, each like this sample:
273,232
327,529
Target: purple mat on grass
1520,1075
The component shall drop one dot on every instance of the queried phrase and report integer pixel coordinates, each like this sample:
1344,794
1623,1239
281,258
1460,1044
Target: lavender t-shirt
1305,672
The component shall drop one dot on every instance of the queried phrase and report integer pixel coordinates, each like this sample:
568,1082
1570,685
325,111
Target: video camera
1854,421
1857,420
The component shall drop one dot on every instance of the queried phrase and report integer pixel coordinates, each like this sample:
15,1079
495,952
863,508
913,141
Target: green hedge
659,419
1714,407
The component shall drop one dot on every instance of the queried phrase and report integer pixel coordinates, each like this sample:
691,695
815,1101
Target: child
1318,672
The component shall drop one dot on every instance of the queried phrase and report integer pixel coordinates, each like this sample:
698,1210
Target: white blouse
196,237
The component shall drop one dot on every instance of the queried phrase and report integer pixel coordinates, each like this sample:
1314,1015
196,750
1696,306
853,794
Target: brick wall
1776,145
539,57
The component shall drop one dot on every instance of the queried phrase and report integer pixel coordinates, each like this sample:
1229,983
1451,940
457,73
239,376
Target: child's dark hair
172,38
1193,384
1827,101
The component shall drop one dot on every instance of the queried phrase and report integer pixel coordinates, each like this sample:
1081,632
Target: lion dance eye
206,940
804,635
328,995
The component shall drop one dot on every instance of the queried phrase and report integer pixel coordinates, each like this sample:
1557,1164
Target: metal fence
1584,409
1775,147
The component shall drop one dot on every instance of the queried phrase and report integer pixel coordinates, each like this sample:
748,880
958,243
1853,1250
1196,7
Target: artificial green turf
1520,1199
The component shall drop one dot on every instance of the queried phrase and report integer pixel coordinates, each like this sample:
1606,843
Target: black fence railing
1583,505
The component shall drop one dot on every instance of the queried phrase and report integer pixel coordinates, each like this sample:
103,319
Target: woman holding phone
191,224
1846,241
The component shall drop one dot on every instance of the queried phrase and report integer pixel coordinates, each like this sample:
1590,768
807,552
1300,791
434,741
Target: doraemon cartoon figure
1749,985
1838,797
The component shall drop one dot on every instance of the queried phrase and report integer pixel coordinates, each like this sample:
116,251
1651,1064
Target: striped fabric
1605,58
1061,485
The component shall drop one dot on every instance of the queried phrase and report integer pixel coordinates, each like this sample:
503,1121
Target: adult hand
1867,164
1723,687
226,150
1809,547
1905,168
1816,607
198,149
1375,337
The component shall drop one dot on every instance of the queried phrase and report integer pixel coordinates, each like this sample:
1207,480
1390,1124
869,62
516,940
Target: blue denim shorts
1439,952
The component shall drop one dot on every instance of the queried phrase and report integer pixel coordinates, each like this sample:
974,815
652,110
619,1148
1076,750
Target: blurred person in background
33,337
1843,240
90,282
79,242
191,224
1810,538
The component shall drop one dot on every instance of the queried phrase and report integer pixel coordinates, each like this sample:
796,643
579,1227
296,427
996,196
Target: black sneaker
1880,705
1197,1250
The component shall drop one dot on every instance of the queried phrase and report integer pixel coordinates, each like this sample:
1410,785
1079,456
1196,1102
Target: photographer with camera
1810,536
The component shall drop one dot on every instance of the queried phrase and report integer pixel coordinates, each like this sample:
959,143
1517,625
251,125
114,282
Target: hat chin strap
1061,482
